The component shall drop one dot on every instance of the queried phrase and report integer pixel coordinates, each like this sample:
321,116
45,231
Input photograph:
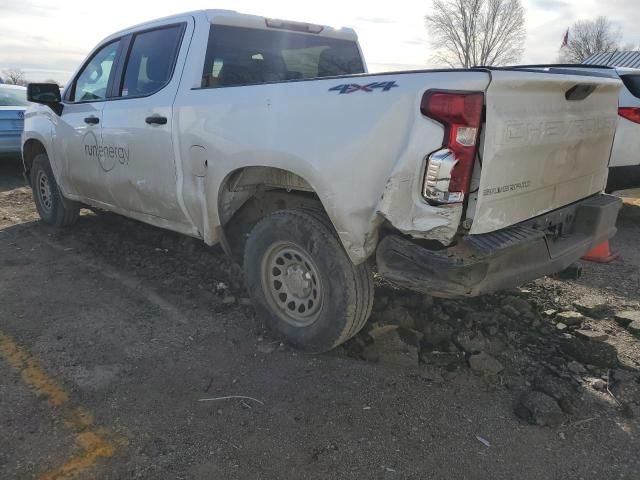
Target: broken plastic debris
484,441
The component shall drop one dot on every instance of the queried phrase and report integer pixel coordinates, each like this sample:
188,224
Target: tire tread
360,288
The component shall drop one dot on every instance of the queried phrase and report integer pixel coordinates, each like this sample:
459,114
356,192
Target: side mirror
46,94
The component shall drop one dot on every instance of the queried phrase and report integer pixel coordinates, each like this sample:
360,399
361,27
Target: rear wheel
302,281
52,207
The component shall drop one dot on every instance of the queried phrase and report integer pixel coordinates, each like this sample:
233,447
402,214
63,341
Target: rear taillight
630,113
448,172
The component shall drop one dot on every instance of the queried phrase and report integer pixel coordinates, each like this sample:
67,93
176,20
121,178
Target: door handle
92,120
156,120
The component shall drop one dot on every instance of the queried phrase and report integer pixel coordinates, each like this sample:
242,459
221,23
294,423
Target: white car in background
624,167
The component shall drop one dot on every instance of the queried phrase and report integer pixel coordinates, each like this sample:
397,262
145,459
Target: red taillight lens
461,115
630,113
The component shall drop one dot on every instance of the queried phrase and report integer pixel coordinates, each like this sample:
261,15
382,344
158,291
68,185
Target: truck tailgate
547,142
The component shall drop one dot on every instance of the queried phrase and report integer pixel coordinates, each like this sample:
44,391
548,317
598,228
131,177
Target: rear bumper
485,263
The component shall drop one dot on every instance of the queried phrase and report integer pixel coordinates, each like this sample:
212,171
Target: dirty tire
52,207
316,259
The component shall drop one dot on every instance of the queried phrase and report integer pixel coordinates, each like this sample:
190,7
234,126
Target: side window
151,61
91,84
247,56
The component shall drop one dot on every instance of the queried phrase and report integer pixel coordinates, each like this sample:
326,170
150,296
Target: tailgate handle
579,92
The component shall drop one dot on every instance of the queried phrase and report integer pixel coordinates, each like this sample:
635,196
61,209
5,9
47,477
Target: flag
565,39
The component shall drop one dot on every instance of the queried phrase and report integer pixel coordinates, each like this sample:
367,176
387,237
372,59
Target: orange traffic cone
600,253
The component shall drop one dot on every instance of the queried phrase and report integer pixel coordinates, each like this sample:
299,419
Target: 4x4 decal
354,87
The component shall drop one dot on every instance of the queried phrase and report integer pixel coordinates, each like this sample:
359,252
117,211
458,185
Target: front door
137,122
78,130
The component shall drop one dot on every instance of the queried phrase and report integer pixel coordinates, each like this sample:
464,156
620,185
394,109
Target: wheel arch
249,193
31,148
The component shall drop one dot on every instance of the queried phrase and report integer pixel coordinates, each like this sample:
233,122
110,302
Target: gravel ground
111,332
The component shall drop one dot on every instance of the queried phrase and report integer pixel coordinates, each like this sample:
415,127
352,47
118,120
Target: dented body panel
365,163
540,150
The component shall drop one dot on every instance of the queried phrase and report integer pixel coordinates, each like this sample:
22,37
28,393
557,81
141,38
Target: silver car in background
13,103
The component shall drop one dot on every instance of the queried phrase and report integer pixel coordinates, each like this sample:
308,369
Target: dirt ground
112,332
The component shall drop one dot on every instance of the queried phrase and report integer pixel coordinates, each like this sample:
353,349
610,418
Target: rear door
137,121
547,143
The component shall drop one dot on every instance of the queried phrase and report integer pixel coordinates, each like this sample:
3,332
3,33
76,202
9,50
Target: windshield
13,97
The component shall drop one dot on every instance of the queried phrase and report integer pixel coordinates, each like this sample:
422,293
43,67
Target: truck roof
237,19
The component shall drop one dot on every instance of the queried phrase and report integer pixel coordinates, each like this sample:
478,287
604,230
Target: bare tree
466,33
14,76
587,37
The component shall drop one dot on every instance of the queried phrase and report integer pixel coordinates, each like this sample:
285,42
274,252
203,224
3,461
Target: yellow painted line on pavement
87,437
32,374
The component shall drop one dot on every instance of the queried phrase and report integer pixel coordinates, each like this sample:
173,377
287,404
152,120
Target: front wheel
52,207
301,279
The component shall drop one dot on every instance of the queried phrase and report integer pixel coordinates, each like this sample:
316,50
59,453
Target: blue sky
49,39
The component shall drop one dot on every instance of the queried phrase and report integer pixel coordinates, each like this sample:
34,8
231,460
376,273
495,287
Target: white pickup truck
269,137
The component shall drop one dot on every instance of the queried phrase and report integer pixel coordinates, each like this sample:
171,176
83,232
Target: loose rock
389,347
592,335
572,272
267,347
485,364
576,367
437,336
471,342
570,318
626,386
599,311
627,317
600,354
510,311
397,315
229,300
448,360
538,408
558,389
634,327
518,304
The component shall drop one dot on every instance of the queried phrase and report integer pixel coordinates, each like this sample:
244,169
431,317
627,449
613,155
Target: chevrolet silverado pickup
270,137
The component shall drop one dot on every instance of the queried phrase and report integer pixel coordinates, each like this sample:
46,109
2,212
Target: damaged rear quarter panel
363,152
418,218
401,202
